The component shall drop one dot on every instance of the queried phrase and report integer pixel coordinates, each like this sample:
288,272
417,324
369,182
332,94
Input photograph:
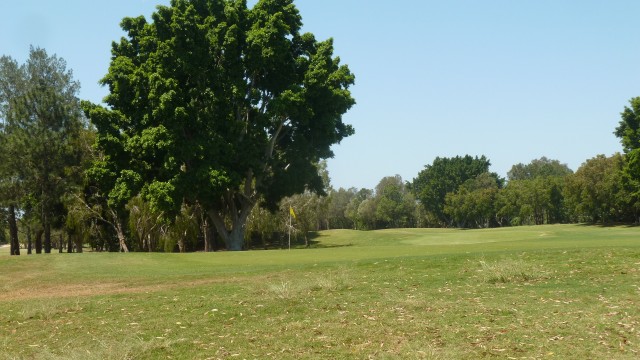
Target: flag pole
290,227
292,214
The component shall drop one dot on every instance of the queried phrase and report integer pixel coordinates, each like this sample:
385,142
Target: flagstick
289,227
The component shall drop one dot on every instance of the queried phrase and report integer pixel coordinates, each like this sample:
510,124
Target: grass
565,292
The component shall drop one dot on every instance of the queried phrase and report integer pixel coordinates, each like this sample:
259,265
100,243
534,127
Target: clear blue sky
511,80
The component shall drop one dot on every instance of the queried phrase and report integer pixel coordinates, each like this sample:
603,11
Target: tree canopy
41,125
542,167
443,176
629,133
222,105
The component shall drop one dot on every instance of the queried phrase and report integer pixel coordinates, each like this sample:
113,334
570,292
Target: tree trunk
60,243
235,241
121,238
47,235
237,206
234,238
119,232
29,240
13,231
39,241
181,247
69,244
78,242
205,235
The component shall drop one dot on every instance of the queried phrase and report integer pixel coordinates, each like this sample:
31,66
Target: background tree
4,238
443,176
145,224
43,120
110,183
222,105
182,231
472,205
595,192
367,214
11,183
338,201
267,226
352,212
395,206
534,194
308,210
629,133
542,167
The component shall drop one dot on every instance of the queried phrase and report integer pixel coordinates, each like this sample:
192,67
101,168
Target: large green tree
472,205
395,206
628,131
220,104
443,176
595,193
337,208
361,210
42,122
542,167
11,87
535,201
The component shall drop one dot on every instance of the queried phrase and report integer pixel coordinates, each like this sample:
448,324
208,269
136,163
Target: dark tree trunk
60,243
29,245
69,244
13,231
39,241
47,235
78,243
206,235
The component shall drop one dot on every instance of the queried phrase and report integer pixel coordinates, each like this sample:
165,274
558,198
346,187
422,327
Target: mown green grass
565,292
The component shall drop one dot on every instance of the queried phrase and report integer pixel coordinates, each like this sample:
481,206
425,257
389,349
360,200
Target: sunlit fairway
564,291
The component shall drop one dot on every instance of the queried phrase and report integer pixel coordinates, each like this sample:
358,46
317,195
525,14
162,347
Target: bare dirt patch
88,290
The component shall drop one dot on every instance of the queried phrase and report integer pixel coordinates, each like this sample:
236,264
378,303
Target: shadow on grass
315,241
278,240
609,225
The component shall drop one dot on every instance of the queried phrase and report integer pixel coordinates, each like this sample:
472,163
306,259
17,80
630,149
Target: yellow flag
291,212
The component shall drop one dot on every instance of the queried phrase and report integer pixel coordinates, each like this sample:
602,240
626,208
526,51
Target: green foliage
42,127
265,106
595,192
395,206
628,129
629,133
360,218
183,231
145,224
535,201
472,205
338,202
266,226
542,167
309,215
444,176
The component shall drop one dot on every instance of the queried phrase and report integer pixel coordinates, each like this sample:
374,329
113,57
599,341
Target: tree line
214,134
460,192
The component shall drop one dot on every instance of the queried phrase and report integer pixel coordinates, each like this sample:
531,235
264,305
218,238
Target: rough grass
573,293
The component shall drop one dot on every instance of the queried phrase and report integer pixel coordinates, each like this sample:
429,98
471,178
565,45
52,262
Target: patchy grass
508,271
571,294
